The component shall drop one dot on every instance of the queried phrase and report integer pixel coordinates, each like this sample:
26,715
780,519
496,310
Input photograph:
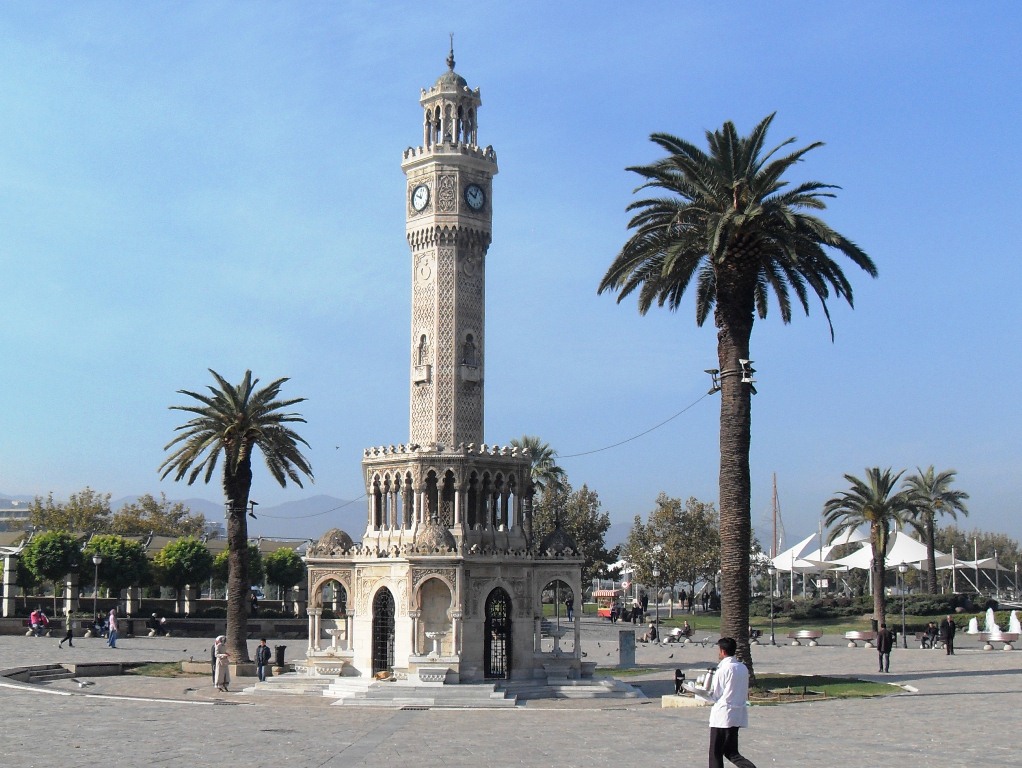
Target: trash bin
278,652
874,624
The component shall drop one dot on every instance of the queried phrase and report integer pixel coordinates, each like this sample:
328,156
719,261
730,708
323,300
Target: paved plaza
964,710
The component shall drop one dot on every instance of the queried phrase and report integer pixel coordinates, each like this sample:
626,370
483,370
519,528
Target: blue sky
218,185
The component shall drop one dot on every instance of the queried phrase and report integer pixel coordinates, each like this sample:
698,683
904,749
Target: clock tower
447,582
449,218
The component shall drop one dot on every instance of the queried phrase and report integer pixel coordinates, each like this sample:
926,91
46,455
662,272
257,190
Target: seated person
157,625
929,635
99,626
651,636
39,623
686,630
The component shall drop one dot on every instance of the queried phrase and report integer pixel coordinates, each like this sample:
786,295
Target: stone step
49,676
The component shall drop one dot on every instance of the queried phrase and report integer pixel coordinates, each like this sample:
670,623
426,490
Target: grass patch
780,688
160,669
628,671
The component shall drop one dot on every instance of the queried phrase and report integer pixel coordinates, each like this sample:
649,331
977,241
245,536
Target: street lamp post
772,571
903,569
96,560
656,598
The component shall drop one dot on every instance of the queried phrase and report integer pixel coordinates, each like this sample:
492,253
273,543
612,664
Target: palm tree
728,219
932,495
875,503
545,474
232,421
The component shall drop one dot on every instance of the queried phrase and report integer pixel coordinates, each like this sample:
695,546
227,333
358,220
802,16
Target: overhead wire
655,427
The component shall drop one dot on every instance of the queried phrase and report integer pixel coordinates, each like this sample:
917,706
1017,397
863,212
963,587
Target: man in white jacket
729,691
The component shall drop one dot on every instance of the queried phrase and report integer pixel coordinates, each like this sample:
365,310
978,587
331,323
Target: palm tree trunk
236,489
734,326
878,539
931,559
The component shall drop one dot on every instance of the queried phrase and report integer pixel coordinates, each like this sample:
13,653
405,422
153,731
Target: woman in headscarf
221,674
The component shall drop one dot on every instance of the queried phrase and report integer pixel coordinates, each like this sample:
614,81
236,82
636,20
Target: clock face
420,197
475,197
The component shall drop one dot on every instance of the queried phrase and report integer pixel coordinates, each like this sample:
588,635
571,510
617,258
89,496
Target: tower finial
450,56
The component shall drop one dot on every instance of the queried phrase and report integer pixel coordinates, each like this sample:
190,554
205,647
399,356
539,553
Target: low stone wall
270,628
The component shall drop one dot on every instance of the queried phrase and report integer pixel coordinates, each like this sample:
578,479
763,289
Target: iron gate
498,635
383,631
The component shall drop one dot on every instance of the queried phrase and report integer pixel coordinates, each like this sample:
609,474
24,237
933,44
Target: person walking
111,625
947,635
221,673
885,643
729,690
569,607
262,659
68,633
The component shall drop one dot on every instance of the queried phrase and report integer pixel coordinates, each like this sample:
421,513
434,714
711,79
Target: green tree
229,423
222,566
182,562
872,502
688,537
729,219
284,569
85,512
582,518
159,517
51,556
124,562
932,495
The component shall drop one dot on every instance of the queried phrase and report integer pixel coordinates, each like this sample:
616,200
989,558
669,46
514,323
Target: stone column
317,627
188,603
537,635
456,633
134,602
349,627
10,583
70,593
312,625
414,616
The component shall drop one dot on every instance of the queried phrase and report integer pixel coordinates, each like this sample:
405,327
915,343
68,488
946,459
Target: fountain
990,625
1014,625
973,626
992,633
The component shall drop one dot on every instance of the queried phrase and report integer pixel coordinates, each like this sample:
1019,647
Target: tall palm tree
932,495
875,503
231,421
545,474
729,220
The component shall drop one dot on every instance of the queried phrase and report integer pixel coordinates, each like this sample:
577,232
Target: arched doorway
383,631
497,635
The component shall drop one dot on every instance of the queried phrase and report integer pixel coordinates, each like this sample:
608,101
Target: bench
868,638
805,634
55,625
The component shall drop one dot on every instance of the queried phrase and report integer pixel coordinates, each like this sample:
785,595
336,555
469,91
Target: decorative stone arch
320,578
435,604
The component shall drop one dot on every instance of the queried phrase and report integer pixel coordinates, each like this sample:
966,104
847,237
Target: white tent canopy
901,548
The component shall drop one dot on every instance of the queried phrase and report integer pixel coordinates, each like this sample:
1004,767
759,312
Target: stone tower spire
448,227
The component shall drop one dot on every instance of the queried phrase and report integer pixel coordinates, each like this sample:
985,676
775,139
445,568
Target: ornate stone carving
447,194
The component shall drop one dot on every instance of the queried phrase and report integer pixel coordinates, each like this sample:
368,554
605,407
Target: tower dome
450,80
433,537
334,539
558,542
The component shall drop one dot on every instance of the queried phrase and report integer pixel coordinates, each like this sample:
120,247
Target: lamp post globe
903,569
772,571
96,560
